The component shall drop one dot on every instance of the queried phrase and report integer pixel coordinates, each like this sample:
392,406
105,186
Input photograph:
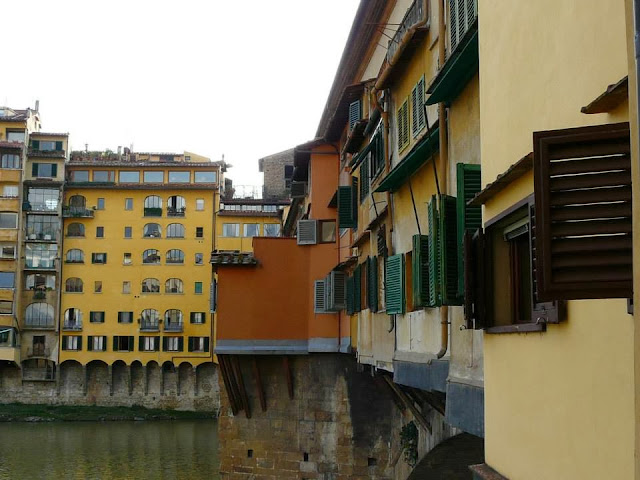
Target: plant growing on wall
409,443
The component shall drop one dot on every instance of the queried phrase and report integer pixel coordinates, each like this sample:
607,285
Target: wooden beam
240,381
256,376
409,403
227,383
287,373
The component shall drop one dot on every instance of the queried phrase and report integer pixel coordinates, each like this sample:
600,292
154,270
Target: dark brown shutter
583,213
476,279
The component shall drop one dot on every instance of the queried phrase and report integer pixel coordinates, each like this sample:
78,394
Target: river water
183,449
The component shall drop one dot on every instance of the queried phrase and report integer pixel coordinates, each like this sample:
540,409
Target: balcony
50,236
149,327
47,207
32,152
415,14
39,294
39,324
173,327
39,351
76,212
10,353
175,212
72,326
152,212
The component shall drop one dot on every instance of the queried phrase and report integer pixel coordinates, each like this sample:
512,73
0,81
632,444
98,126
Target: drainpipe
444,161
387,161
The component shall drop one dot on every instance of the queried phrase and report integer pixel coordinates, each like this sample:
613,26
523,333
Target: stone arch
98,380
72,378
38,369
10,376
154,378
137,378
120,378
206,379
186,378
170,378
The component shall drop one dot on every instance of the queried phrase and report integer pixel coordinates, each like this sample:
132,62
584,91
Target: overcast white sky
244,78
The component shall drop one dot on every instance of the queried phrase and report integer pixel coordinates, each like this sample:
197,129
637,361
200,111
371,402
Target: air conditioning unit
307,232
335,291
298,189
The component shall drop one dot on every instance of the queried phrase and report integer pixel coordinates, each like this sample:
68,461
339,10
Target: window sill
518,328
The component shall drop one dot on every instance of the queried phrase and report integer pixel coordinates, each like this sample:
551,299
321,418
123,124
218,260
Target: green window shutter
34,169
206,344
350,309
89,343
469,218
434,254
79,343
420,270
58,146
164,344
180,344
35,144
345,207
54,170
357,288
448,251
190,344
394,287
115,343
140,343
372,283
354,204
364,178
131,342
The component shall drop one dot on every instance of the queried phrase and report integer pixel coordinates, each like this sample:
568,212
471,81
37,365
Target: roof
49,134
340,116
255,201
613,96
16,145
515,171
246,213
233,259
132,164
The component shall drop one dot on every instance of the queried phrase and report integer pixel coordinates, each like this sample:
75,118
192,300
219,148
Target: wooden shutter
448,250
394,285
141,344
34,169
420,270
417,108
357,288
434,254
212,296
319,297
307,232
403,125
35,144
181,344
115,343
164,344
382,241
131,343
469,218
582,182
365,177
79,343
58,146
372,283
350,295
54,170
206,344
190,344
355,113
476,279
345,207
89,343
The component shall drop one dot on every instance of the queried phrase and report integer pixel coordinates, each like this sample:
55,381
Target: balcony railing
77,325
39,294
175,212
41,351
39,323
40,207
149,326
152,212
415,14
173,327
76,212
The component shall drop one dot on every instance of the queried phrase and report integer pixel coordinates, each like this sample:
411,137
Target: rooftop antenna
86,147
37,106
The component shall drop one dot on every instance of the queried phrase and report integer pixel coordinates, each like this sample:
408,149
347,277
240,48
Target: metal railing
40,323
38,352
173,327
175,212
149,326
76,212
76,325
415,14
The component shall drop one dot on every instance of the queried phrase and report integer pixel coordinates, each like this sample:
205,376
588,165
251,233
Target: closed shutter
469,218
434,254
403,125
58,146
181,344
355,113
394,285
335,286
140,344
190,344
35,144
357,288
79,343
350,296
382,241
212,297
115,343
417,108
365,177
420,270
476,280
372,283
206,344
582,183
345,207
307,232
34,169
448,251
54,170
164,344
319,297
90,343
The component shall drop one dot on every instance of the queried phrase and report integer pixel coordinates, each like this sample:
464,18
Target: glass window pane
10,160
251,229
7,279
42,227
327,231
15,136
129,177
8,220
272,230
128,203
79,175
199,203
43,199
179,177
103,176
205,177
231,230
153,177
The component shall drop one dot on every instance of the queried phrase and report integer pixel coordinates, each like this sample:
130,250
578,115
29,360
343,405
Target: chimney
119,150
86,147
37,106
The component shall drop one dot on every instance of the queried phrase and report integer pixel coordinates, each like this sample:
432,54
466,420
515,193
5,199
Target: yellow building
137,283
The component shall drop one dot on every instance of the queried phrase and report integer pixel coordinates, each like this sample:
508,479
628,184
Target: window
44,170
175,230
39,315
327,231
199,232
173,285
42,199
125,317
172,344
151,257
73,285
79,175
230,229
271,229
149,344
176,206
251,229
150,319
99,232
7,251
205,177
122,343
153,177
11,191
6,307
96,317
153,206
128,203
377,152
17,136
402,125
10,160
418,121
74,256
73,318
199,258
197,317
78,201
97,286
199,204
198,287
129,177
152,230
37,281
97,343
42,227
175,256
179,177
126,259
104,176
126,287
46,145
173,320
7,280
100,204
72,342
198,344
40,255
151,285
99,258
8,220
75,230
127,232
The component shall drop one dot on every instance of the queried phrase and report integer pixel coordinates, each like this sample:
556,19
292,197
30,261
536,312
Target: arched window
153,206
75,230
151,285
77,201
175,230
72,318
150,319
152,230
176,206
151,256
75,255
173,285
39,315
73,285
173,320
175,256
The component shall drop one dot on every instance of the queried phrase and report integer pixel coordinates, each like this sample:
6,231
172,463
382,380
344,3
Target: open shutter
364,177
350,295
89,343
469,218
164,344
115,343
475,280
190,344
319,297
58,146
140,344
582,184
354,203
345,207
394,288
35,144
420,270
307,232
355,113
372,283
206,344
79,343
131,343
357,288
434,254
382,241
34,169
212,296
180,344
448,251
54,170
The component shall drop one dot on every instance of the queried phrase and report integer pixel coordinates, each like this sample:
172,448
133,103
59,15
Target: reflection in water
109,450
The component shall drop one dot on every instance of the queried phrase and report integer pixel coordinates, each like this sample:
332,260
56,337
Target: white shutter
355,113
307,232
462,13
319,297
335,291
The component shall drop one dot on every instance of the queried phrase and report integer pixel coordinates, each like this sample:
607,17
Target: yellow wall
558,404
241,243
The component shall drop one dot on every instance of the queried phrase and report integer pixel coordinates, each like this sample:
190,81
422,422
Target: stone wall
340,424
152,386
273,169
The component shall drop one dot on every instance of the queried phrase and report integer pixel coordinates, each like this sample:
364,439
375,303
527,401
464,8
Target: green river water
181,449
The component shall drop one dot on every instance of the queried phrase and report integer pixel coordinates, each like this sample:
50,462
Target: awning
429,145
457,71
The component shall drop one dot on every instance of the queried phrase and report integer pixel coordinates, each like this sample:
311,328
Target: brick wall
273,168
